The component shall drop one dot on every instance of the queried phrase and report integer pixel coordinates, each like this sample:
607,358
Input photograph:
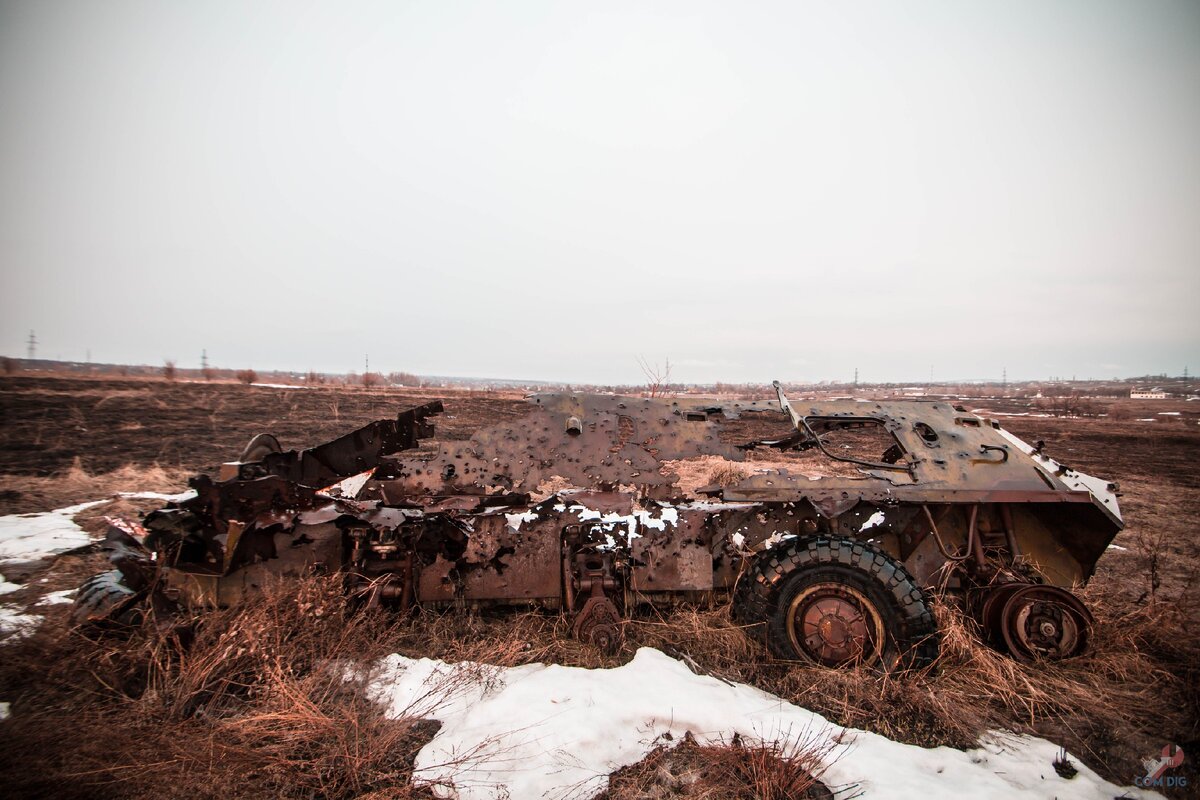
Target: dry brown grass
244,703
1114,706
734,770
28,493
251,695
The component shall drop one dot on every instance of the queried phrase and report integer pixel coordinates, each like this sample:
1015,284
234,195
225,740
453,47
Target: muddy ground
66,440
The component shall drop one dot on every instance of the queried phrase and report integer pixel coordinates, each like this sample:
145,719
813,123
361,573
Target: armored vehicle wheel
105,597
262,444
1044,622
837,602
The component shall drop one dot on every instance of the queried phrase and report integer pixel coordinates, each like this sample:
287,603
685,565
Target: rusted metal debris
578,506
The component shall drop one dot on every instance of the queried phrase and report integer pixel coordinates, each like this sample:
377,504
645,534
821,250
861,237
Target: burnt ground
48,423
55,430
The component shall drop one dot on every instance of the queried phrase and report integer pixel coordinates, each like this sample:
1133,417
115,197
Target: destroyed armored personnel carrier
829,538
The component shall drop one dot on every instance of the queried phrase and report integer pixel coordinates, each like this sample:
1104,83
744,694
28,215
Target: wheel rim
835,625
990,615
1044,622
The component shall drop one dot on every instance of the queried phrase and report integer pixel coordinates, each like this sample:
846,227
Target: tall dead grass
243,703
28,493
1135,689
737,769
249,702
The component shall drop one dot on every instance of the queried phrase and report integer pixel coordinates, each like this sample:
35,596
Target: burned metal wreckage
830,556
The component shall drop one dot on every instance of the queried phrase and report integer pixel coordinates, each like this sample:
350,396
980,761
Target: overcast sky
549,190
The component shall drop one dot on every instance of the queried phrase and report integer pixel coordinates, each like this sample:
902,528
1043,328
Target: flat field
69,440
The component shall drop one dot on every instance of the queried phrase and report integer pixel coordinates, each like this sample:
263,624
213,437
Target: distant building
1151,394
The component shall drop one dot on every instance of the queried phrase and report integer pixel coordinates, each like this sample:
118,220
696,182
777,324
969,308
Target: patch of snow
667,515
14,624
28,537
4,711
515,520
1147,419
548,731
6,587
775,538
713,506
349,487
280,386
1169,413
54,598
166,498
1117,547
873,521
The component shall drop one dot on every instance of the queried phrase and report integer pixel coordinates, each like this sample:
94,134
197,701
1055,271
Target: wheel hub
1036,621
834,625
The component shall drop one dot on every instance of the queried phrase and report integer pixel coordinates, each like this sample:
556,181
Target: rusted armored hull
576,506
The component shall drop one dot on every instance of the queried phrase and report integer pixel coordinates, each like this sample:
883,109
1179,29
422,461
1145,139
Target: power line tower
366,363
1185,375
204,360
1004,381
31,350
856,377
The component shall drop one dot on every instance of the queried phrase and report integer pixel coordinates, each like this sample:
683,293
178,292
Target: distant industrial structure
1147,394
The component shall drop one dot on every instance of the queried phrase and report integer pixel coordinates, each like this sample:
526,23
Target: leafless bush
404,379
8,365
168,370
658,378
1119,412
247,376
371,379
314,378
1067,406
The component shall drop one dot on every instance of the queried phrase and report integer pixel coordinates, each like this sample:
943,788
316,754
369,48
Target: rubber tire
99,595
777,575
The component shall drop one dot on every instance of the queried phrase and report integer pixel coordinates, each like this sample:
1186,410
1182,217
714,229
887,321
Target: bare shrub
168,370
658,378
8,365
371,379
314,378
404,379
247,376
1067,406
1119,412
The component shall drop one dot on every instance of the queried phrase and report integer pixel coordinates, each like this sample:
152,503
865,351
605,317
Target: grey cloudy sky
547,190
